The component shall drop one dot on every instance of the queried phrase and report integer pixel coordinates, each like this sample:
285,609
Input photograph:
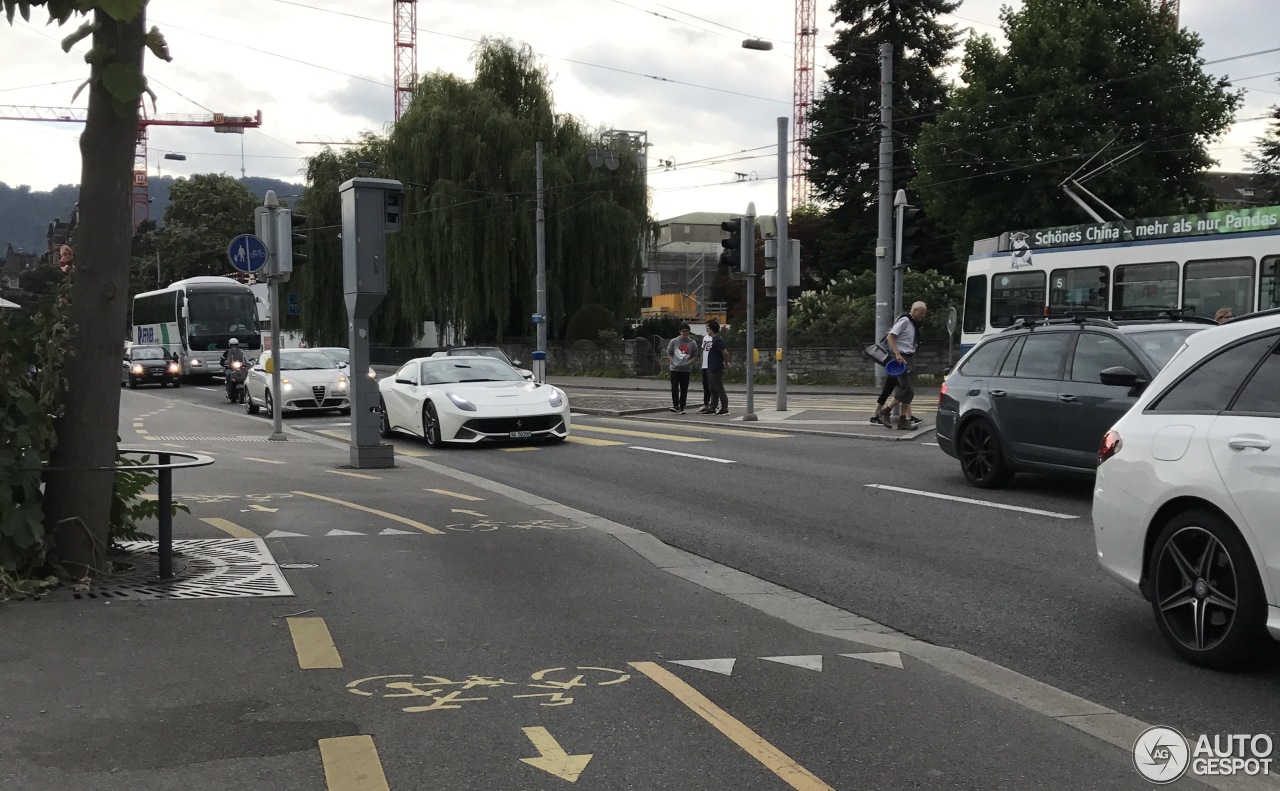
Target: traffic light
908,243
292,240
732,254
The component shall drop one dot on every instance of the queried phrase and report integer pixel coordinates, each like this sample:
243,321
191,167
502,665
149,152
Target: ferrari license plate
521,434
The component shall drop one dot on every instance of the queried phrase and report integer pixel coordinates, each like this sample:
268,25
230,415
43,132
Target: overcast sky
315,73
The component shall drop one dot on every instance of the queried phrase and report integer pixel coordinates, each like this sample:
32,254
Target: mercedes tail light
1110,445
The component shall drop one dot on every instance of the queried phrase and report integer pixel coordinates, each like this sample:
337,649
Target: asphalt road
1018,588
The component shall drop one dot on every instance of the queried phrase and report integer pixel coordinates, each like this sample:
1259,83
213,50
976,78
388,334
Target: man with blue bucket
902,340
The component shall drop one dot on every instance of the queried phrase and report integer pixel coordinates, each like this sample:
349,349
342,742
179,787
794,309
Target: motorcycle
235,375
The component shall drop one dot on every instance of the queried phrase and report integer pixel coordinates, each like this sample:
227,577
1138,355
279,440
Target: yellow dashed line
264,461
622,432
594,442
313,644
733,432
351,764
417,454
459,495
354,475
519,450
394,517
335,435
230,528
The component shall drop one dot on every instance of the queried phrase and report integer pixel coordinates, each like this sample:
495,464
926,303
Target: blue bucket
895,368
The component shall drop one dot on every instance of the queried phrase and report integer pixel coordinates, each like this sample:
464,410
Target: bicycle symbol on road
490,525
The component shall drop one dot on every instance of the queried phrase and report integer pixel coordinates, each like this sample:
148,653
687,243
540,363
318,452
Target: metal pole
542,268
899,271
884,238
165,518
749,268
159,283
273,305
782,270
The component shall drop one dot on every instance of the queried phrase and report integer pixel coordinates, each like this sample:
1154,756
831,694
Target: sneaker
672,410
915,421
722,412
875,418
680,412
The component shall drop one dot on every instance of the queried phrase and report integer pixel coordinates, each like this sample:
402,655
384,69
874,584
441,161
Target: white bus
1199,263
194,318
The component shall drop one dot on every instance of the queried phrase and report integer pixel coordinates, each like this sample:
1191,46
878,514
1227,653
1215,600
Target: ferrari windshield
481,351
302,361
471,369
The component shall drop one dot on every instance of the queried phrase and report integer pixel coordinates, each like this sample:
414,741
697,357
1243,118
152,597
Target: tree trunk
78,504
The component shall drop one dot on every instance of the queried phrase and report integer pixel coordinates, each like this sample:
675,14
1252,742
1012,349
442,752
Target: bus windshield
213,318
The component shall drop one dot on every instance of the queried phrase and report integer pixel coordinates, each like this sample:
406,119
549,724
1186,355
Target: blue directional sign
247,253
293,309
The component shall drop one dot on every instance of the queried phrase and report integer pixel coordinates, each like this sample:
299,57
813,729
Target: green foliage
466,257
845,142
1266,161
205,212
847,308
33,349
663,326
589,322
1077,79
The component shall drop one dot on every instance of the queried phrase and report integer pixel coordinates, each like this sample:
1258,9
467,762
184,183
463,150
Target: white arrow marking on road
284,534
971,501
890,658
806,662
342,533
685,455
722,666
552,758
468,513
391,531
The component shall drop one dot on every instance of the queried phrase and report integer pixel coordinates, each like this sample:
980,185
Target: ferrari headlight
461,403
137,369
557,400
373,374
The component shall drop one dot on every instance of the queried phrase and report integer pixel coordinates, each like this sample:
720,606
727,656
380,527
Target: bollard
165,518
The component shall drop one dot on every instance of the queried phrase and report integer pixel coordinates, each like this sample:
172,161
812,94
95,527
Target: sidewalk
440,630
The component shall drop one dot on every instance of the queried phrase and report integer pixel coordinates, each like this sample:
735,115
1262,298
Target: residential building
1235,190
684,262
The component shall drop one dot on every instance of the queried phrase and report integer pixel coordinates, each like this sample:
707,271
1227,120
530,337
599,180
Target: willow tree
466,257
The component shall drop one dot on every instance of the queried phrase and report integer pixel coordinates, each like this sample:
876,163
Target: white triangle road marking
391,531
890,658
806,662
342,533
722,666
284,534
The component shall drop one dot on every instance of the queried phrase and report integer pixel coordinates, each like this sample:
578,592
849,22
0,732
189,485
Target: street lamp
758,44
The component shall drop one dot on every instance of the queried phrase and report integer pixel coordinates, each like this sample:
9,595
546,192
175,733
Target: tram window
1224,283
1016,294
975,304
1078,290
1269,287
1145,287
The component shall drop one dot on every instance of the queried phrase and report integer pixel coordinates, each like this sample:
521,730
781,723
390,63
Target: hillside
25,214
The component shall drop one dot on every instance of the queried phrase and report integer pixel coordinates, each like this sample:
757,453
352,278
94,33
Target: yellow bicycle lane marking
313,644
393,517
351,764
230,528
769,756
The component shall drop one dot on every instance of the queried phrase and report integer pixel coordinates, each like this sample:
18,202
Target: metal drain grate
218,568
229,439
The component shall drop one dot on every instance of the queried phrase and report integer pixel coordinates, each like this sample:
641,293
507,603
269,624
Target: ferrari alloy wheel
384,420
431,426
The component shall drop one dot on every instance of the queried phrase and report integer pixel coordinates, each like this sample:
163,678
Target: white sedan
1187,496
308,380
470,400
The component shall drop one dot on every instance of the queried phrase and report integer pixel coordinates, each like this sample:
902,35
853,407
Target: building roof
767,222
1234,187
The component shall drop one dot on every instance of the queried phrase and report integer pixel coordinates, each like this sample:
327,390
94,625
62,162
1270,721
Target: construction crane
405,48
219,122
802,98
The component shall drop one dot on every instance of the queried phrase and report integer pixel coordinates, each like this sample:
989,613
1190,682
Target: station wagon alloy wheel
1206,593
981,457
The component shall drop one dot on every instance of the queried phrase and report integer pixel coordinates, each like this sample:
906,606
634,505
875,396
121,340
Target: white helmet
233,342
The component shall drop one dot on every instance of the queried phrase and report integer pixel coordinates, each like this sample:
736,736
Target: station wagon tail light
942,394
1110,445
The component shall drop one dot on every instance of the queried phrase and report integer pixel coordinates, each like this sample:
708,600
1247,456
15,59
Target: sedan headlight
342,383
557,400
173,368
461,403
137,369
286,384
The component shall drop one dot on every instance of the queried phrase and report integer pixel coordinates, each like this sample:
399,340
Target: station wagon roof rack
1110,318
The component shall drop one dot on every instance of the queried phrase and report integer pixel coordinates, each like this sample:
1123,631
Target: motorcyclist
233,354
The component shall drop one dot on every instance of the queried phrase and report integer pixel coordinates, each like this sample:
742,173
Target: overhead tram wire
654,77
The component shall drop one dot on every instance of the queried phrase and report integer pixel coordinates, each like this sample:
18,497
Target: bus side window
1016,294
1269,285
1223,283
1079,289
975,304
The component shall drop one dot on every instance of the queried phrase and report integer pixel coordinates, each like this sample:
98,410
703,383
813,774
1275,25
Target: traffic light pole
274,266
539,362
899,271
749,269
884,239
782,271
